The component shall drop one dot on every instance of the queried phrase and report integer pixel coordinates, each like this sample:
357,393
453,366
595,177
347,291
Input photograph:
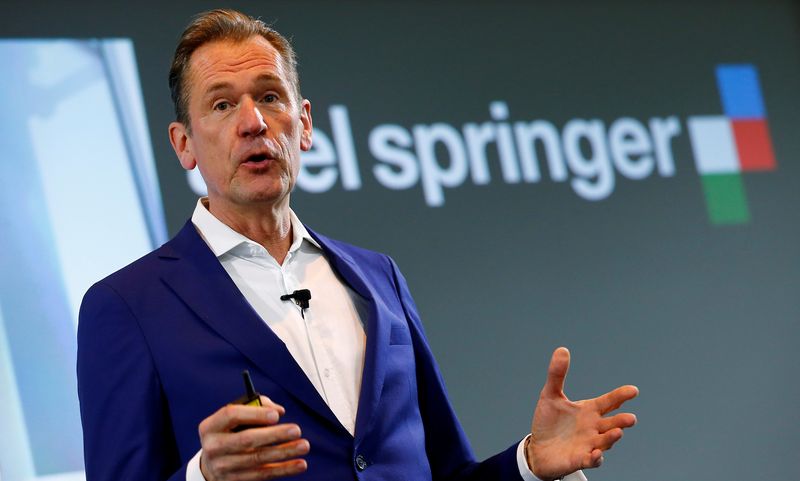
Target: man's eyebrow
216,87
268,78
223,85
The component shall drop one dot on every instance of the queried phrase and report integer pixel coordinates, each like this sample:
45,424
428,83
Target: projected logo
727,145
591,155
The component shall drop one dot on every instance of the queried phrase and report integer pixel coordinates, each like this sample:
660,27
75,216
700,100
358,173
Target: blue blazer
162,344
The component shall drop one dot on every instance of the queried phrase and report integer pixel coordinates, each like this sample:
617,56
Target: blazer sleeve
448,449
126,427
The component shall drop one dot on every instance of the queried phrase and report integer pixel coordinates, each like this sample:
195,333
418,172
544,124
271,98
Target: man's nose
251,121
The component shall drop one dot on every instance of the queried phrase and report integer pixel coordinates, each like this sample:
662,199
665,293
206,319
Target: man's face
247,128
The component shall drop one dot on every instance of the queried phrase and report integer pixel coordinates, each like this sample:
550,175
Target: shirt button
361,463
327,372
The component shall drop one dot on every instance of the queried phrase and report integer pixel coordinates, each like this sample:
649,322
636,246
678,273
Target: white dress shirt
327,340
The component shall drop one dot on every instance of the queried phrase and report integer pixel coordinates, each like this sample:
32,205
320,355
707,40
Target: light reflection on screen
80,199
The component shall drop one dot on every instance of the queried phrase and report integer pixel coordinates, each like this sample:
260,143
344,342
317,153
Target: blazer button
361,463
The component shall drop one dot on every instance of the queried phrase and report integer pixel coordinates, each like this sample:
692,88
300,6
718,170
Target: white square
713,145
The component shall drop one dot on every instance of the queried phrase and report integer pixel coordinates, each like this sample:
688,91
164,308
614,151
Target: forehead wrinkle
208,65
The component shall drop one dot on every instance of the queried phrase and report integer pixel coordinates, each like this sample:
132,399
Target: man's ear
182,145
305,118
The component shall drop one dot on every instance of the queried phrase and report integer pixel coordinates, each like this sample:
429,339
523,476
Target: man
162,342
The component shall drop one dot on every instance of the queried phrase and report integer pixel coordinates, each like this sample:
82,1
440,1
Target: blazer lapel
199,279
377,330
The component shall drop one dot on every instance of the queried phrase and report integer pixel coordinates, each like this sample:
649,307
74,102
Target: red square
754,145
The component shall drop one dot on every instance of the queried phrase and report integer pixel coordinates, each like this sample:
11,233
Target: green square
725,199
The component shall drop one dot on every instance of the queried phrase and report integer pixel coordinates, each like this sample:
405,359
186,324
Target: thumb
557,373
269,403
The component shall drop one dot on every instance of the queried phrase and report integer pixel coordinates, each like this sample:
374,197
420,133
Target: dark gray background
641,286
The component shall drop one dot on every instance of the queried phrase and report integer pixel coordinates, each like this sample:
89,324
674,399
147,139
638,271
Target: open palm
570,435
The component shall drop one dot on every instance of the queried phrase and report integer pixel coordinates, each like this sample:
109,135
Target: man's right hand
258,453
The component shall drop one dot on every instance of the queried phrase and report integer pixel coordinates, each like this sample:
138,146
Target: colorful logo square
726,145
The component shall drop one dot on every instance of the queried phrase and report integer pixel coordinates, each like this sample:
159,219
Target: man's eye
269,98
221,106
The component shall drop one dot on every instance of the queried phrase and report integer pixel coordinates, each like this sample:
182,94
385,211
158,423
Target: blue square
740,91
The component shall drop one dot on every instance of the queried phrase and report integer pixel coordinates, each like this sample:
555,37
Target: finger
613,400
232,415
593,459
608,438
286,468
557,372
267,402
272,470
251,439
623,420
269,454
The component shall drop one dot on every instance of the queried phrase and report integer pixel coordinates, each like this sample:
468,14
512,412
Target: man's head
244,122
222,25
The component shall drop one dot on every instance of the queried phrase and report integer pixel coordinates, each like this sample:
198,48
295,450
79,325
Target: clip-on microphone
301,298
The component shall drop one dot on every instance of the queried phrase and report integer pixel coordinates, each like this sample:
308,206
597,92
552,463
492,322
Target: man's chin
263,196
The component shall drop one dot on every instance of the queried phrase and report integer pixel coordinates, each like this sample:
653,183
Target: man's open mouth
256,158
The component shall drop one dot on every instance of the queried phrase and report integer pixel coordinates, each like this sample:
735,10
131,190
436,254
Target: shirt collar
222,239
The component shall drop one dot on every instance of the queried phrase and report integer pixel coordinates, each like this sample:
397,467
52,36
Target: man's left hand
570,435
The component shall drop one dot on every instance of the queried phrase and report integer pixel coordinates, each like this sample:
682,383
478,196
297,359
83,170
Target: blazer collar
377,328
